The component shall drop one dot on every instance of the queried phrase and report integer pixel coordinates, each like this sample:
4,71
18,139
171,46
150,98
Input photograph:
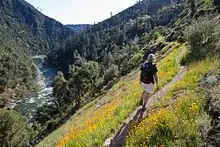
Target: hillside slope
93,60
182,106
187,114
92,124
20,22
24,32
79,27
117,36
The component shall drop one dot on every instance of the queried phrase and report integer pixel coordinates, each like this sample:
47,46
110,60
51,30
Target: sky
80,11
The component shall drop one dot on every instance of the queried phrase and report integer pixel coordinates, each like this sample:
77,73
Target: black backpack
147,73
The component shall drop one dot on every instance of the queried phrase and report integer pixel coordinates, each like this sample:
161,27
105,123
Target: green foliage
34,33
203,37
110,74
209,3
116,36
179,117
24,32
183,60
153,35
93,71
60,90
14,130
137,58
3,83
17,72
135,48
98,119
46,113
69,94
199,35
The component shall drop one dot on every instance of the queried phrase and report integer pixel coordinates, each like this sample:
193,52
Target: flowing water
45,77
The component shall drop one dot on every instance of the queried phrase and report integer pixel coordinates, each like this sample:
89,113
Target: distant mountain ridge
22,23
115,34
78,27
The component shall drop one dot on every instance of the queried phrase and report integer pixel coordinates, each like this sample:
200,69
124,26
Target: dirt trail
118,139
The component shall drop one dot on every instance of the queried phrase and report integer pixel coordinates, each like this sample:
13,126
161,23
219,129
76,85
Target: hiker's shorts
149,88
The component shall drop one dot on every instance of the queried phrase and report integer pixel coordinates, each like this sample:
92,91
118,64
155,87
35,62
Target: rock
98,105
214,109
107,143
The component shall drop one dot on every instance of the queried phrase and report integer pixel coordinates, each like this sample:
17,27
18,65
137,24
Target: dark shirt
147,72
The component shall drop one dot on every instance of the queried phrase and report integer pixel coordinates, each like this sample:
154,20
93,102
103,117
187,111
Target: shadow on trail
119,138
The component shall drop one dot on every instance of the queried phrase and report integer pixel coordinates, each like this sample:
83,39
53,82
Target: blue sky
80,11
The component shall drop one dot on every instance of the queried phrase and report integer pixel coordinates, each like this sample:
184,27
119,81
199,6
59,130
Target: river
45,76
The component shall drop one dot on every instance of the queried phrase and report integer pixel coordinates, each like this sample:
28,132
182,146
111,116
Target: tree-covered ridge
22,22
24,32
17,75
112,48
116,37
77,28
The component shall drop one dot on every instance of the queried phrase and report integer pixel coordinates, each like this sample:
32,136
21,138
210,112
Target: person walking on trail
148,78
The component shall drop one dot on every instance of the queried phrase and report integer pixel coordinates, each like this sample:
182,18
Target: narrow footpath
118,139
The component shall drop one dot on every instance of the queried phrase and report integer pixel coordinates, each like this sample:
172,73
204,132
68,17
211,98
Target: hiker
148,78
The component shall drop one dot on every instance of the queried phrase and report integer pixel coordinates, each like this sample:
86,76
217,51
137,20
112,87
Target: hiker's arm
156,79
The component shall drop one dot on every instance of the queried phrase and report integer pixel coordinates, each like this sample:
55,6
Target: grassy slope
178,123
99,119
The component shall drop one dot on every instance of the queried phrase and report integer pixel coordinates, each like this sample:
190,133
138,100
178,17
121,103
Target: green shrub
200,38
209,3
153,35
110,74
135,59
16,72
183,59
13,129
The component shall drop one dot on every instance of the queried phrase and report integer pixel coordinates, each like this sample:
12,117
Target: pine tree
60,90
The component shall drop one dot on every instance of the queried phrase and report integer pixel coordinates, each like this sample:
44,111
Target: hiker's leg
145,100
142,98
